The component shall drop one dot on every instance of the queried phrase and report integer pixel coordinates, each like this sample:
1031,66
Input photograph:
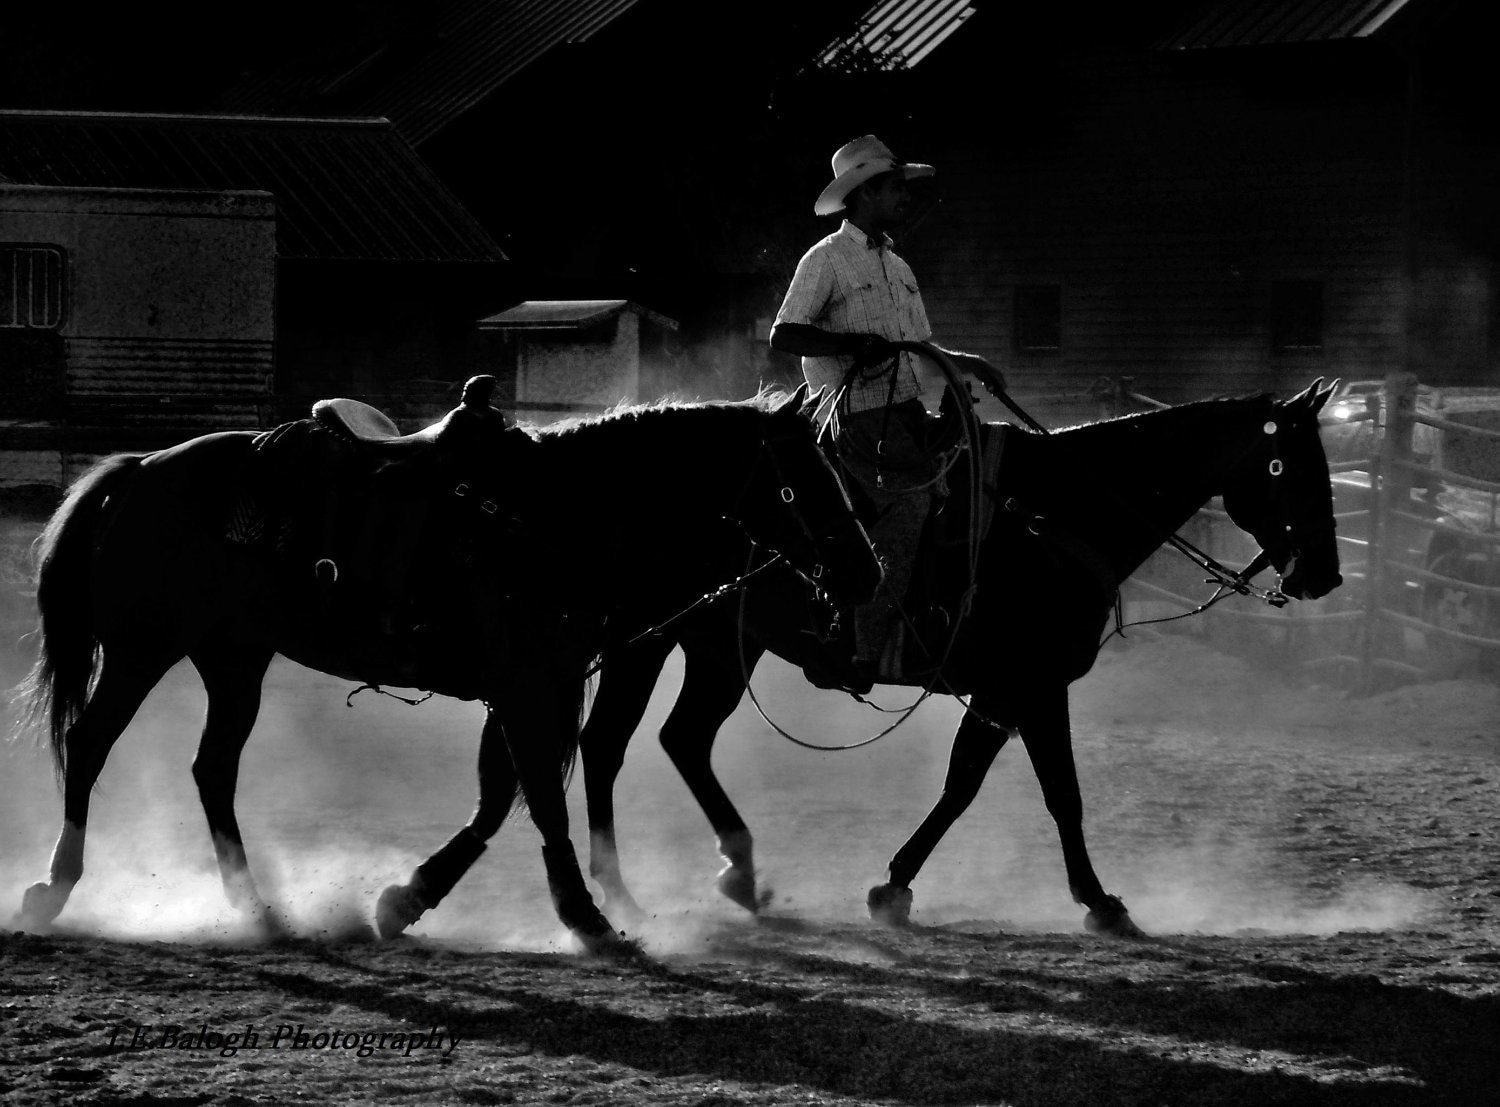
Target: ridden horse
532,554
1075,513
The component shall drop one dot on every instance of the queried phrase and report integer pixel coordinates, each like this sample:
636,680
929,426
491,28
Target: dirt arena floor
1318,875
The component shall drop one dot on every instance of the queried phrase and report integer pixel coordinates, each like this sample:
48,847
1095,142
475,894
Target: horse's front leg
1048,736
974,749
401,905
713,683
626,680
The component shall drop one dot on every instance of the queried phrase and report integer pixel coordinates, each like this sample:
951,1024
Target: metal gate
1419,540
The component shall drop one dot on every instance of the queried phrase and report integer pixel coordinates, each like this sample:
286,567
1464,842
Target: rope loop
349,699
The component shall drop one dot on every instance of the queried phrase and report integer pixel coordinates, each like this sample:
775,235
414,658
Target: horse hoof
1111,918
609,943
41,903
598,938
890,905
267,925
398,907
739,886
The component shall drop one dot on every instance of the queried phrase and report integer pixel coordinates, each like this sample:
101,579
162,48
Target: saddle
465,432
941,575
940,571
391,544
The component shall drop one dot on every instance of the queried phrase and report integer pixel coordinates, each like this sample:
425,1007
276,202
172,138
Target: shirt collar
881,241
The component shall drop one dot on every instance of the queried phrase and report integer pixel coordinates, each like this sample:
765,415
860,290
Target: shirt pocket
913,318
867,308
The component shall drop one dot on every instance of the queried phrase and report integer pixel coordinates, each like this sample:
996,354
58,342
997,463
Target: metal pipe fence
1419,538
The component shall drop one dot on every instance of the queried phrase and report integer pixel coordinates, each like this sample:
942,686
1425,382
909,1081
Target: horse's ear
792,405
814,401
1322,397
1306,397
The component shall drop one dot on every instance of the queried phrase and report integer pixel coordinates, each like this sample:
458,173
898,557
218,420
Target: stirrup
857,677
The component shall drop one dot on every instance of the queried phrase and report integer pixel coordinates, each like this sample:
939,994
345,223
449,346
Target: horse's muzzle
1304,583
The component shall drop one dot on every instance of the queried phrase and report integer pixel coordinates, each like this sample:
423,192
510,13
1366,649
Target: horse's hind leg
540,748
115,699
626,681
400,905
232,677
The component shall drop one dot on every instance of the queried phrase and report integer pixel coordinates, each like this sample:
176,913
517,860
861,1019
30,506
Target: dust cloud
337,802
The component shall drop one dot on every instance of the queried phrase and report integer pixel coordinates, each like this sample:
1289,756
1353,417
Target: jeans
884,450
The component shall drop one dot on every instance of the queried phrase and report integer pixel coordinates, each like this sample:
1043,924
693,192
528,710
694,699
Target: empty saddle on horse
406,533
466,432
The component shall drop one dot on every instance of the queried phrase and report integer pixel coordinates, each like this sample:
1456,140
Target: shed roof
898,34
567,315
1272,22
456,56
346,189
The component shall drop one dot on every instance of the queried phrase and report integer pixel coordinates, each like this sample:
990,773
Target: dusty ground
1319,875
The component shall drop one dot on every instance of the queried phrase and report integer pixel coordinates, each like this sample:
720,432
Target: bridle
788,497
1282,518
1294,528
1232,582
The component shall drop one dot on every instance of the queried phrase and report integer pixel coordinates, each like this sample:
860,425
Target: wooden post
1390,488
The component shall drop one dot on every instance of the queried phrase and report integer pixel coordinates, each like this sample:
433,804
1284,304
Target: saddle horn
477,391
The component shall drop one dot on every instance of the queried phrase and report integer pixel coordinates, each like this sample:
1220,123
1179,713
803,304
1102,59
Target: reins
1238,582
1229,581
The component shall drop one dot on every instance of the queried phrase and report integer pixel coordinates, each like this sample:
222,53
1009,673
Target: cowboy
850,298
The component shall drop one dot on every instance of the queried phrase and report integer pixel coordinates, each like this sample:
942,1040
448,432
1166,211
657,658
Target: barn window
1039,318
1297,317
31,286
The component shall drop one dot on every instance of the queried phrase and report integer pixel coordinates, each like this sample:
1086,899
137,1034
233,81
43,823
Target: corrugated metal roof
349,189
898,34
546,315
465,51
1270,22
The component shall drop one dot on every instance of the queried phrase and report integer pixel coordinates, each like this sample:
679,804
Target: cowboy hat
854,164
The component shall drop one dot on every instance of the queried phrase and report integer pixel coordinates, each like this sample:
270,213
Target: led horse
510,555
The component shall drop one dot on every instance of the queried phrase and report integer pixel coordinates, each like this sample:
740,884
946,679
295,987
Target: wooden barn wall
1164,199
167,322
191,383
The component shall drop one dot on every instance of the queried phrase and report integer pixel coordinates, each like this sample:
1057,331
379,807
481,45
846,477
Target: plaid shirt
849,284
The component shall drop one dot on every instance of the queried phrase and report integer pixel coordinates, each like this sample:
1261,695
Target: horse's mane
1185,411
669,407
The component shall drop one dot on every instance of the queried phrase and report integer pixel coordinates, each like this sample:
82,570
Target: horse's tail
53,694
572,712
571,701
